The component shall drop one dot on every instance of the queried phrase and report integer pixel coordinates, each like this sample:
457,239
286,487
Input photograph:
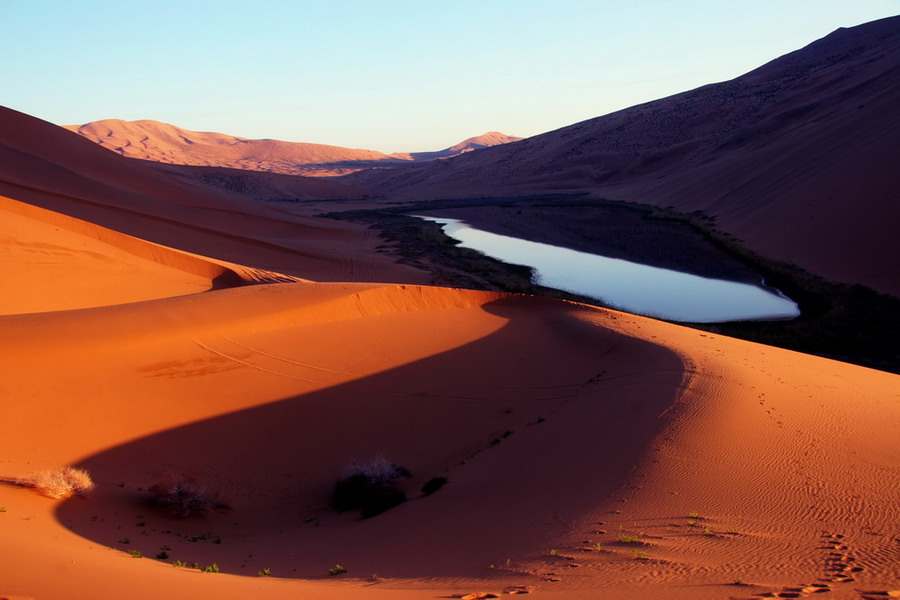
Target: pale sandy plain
151,325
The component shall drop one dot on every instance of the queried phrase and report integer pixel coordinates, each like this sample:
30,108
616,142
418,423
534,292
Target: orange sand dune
558,426
162,142
47,166
588,453
797,158
165,143
53,262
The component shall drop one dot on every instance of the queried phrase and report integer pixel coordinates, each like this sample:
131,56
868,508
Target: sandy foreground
558,426
589,453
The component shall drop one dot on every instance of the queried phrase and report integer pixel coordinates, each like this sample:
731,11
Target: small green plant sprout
739,581
708,531
135,554
691,522
374,576
554,552
264,573
638,555
58,483
179,563
213,568
597,546
336,570
694,514
627,538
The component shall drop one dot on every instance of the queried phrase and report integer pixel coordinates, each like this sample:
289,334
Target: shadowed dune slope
797,158
258,185
557,425
47,166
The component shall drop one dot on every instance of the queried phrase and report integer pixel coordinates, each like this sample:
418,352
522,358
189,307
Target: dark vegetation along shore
852,323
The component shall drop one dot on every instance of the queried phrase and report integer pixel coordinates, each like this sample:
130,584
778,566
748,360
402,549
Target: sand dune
165,143
57,170
807,142
162,142
588,453
617,425
491,138
54,262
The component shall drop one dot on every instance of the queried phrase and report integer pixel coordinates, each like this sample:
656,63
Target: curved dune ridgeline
558,426
53,262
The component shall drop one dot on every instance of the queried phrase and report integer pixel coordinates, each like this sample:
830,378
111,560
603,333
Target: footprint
816,588
517,589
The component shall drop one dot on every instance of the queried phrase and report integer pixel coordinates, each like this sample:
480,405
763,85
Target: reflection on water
629,286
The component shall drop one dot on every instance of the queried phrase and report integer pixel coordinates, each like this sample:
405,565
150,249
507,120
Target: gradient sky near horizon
391,75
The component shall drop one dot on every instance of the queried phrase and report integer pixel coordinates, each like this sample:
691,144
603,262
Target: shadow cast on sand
535,426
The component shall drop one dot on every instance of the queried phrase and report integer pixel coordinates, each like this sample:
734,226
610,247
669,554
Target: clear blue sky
390,75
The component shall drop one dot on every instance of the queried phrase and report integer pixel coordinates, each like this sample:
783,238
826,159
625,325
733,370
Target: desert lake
626,285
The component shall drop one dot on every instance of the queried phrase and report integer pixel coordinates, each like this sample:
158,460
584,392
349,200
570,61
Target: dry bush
373,487
182,495
59,483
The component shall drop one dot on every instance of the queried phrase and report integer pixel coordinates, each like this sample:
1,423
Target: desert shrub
433,485
182,495
372,487
59,483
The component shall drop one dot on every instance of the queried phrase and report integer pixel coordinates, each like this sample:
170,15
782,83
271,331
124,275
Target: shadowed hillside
796,158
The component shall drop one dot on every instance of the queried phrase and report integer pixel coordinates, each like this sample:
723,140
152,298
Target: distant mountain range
162,142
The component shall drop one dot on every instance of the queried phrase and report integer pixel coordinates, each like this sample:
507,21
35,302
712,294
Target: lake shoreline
850,323
626,285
